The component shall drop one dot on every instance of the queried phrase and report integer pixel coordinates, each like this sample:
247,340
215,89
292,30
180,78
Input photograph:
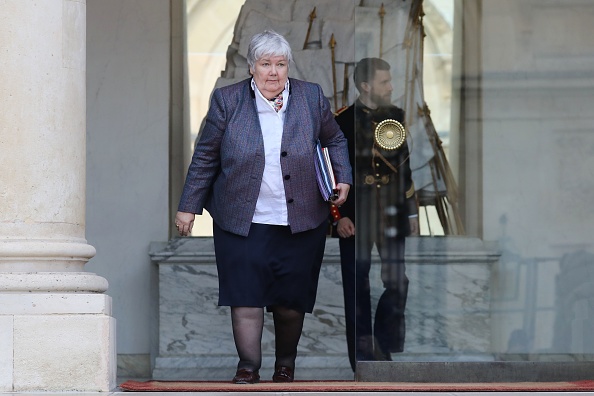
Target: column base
57,342
52,282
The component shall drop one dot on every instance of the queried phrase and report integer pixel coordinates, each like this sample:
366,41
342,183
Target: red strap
334,212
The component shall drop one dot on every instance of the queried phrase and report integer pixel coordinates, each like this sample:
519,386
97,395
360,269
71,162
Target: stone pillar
56,329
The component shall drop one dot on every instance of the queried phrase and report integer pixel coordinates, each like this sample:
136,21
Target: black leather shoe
283,374
246,376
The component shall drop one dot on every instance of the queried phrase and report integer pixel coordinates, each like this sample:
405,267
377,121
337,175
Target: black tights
248,323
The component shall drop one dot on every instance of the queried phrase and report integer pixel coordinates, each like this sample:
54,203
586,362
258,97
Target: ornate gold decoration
370,179
390,134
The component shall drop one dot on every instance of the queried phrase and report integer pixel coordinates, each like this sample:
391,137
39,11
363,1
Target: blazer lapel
296,132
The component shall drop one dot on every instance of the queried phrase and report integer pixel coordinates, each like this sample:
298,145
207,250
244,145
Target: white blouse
271,207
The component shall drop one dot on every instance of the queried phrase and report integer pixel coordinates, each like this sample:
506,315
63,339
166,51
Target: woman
253,170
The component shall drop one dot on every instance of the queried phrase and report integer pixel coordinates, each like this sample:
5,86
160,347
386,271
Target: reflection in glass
507,278
389,79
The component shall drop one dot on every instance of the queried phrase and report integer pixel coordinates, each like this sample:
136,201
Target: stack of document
325,174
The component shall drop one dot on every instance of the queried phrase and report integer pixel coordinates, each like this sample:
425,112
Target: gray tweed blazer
228,162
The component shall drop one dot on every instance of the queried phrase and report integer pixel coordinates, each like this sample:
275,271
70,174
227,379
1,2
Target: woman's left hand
343,192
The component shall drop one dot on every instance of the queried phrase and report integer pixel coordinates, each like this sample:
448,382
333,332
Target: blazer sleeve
332,137
346,122
206,161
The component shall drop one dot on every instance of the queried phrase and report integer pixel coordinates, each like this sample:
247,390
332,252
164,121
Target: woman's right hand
184,222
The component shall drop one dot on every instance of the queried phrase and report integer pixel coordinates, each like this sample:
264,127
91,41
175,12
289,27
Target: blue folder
324,173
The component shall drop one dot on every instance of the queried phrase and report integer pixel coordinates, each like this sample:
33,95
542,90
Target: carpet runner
354,386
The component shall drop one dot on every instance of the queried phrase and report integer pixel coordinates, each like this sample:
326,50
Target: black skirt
271,266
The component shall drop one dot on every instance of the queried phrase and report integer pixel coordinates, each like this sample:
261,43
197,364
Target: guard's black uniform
383,200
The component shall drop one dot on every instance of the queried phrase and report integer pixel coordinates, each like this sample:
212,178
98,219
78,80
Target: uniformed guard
382,209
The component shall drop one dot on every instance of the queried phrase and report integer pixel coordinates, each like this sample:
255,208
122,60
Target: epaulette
337,112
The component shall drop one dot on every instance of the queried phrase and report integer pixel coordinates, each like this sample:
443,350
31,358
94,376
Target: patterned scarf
277,102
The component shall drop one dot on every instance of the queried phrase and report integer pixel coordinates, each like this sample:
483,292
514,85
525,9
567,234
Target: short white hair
268,43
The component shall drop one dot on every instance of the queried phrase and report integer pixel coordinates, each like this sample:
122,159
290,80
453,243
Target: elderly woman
253,170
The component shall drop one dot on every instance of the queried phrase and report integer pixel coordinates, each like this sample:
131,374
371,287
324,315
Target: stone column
56,329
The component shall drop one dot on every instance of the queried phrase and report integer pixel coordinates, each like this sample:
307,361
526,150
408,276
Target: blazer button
287,177
290,200
284,154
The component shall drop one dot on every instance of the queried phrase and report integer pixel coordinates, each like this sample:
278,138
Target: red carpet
352,386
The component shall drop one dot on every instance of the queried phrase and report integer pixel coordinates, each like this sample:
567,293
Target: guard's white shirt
271,207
